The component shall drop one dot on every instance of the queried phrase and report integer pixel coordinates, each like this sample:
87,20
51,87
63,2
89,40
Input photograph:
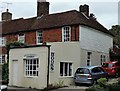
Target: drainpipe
48,66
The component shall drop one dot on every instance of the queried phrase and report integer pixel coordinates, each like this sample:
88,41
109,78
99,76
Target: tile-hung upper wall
94,40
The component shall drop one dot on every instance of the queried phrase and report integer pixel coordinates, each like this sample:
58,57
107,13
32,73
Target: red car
112,68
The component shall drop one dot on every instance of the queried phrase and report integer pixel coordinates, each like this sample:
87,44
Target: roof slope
72,17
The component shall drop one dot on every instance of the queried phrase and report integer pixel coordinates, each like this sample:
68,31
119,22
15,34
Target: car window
82,71
96,70
102,70
107,65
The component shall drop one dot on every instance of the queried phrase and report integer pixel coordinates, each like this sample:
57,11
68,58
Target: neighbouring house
57,44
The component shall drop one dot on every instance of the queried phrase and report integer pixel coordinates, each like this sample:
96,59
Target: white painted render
94,40
95,57
16,56
65,52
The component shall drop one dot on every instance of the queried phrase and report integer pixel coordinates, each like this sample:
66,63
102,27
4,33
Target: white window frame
68,69
102,58
29,62
89,58
3,41
66,34
21,38
39,37
2,61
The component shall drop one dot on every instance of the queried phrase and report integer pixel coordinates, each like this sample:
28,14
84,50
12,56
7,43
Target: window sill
30,76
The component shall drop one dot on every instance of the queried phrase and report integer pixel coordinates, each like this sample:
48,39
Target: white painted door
15,73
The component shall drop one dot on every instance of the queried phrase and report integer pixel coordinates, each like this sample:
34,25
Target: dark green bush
5,73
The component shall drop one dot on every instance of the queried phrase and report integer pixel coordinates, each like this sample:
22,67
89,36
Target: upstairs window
39,38
21,38
2,41
66,33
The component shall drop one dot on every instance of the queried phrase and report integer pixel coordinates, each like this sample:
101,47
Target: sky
105,11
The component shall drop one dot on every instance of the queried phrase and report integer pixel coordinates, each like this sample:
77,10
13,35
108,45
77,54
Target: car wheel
94,82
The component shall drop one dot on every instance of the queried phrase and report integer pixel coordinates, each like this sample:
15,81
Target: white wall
91,39
23,81
95,57
65,52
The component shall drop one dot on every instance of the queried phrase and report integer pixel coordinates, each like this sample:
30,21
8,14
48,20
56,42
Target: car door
96,73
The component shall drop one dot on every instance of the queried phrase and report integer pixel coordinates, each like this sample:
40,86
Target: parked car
112,68
89,74
3,88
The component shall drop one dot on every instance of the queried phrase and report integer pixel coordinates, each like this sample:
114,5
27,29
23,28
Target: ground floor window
2,59
102,58
31,67
89,58
65,69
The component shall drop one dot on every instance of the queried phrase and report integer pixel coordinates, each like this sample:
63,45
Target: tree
115,30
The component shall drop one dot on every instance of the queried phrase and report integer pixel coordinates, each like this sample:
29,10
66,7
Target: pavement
69,88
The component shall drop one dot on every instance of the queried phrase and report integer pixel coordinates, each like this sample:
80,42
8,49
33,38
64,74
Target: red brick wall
49,35
12,37
74,33
30,38
55,35
52,35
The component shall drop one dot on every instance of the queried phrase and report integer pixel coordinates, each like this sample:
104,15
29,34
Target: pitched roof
72,17
17,25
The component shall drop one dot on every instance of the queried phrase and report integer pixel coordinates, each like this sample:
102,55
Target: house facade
75,38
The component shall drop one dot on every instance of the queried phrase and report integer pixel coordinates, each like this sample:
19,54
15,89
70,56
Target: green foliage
115,30
106,86
14,44
5,72
55,86
91,89
119,80
102,82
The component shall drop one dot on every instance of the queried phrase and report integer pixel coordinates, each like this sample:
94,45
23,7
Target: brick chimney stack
42,7
84,9
6,16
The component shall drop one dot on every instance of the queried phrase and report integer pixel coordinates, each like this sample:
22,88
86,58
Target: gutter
48,66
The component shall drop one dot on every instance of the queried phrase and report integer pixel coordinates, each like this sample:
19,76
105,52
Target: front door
15,72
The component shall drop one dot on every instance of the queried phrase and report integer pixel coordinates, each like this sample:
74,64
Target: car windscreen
107,65
82,71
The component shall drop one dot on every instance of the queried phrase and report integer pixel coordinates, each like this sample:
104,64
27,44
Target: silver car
89,74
